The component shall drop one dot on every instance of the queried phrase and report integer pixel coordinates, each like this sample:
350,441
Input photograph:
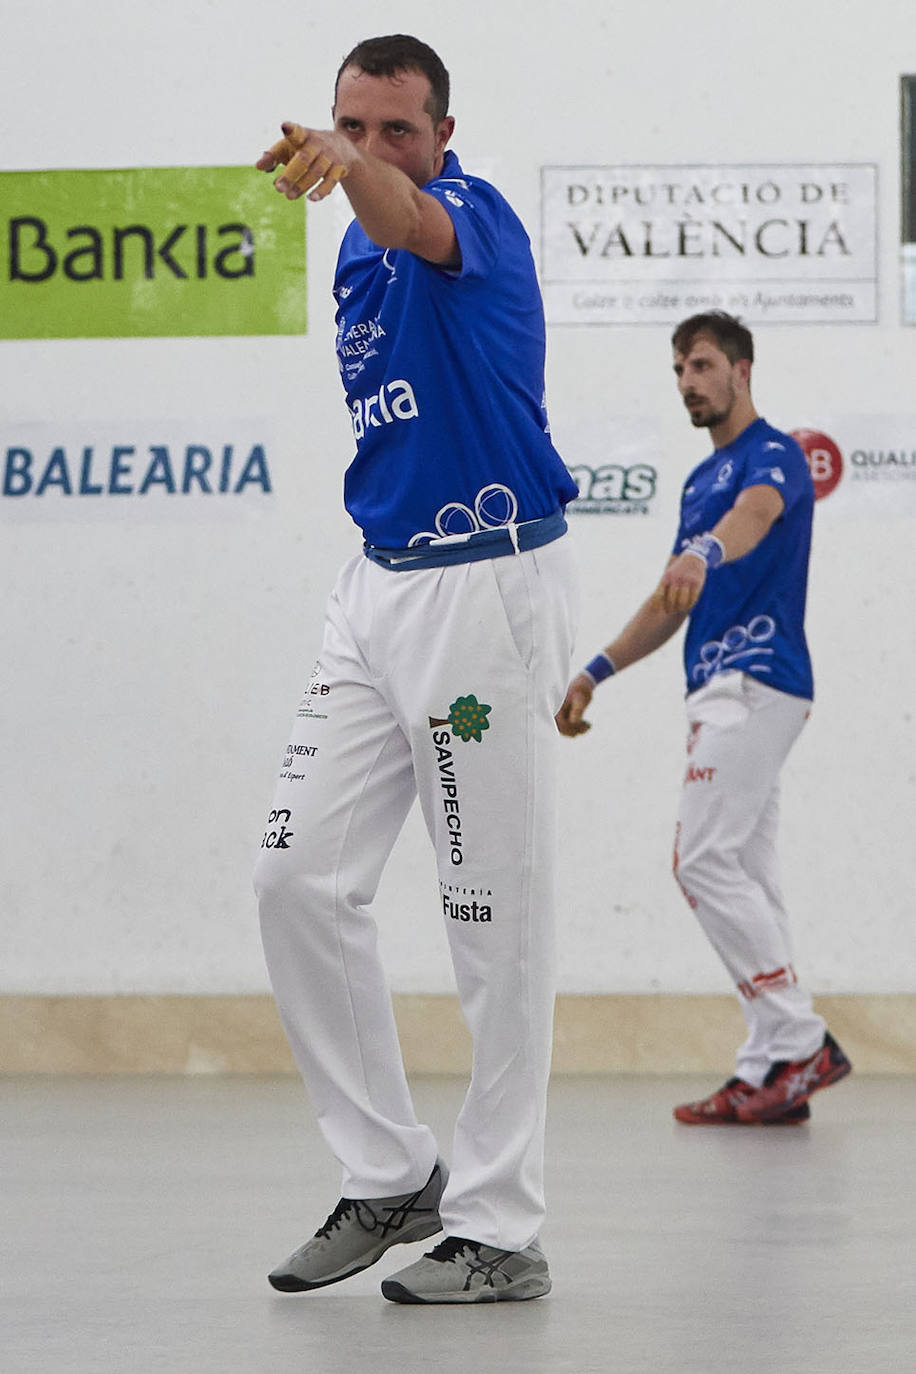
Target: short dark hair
398,52
730,335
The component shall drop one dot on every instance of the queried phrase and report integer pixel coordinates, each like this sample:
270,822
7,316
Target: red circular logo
824,459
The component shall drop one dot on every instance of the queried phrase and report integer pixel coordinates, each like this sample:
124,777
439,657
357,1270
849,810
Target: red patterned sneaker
722,1108
791,1083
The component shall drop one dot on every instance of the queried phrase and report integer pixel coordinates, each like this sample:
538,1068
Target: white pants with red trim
740,734
442,683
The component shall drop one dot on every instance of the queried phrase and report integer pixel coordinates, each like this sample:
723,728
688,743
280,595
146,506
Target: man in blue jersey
444,660
738,573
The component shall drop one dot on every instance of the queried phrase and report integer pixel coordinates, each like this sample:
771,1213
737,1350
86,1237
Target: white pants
441,683
740,734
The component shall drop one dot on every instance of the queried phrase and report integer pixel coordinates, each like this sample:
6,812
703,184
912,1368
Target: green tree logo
468,718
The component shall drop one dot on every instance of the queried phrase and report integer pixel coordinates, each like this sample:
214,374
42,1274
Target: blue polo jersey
444,378
751,613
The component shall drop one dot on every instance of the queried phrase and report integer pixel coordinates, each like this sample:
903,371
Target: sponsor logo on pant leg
768,982
699,774
295,757
466,903
467,718
315,695
691,900
278,835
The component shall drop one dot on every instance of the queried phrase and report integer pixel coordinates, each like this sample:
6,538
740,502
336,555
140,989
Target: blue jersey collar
451,167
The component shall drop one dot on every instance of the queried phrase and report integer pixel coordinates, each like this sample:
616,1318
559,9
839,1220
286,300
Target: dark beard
701,421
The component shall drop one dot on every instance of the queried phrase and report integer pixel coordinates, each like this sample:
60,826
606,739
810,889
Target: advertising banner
776,244
863,464
908,197
614,461
149,252
122,470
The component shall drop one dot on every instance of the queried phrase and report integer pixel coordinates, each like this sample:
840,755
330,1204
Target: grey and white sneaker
358,1232
460,1270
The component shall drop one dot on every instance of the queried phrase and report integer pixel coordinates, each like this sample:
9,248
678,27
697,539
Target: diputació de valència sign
652,244
149,252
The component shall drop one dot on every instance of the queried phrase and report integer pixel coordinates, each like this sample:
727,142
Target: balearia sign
149,252
108,469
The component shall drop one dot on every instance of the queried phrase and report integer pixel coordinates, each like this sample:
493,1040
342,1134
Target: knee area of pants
268,879
695,866
275,883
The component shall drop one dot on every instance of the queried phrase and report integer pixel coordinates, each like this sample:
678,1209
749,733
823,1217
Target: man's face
708,382
387,117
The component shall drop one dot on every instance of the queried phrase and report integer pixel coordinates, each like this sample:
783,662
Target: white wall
149,668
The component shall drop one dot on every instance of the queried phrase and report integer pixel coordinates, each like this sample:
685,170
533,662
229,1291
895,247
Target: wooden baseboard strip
652,1033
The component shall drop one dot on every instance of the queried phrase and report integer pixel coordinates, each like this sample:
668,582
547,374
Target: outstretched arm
650,628
392,210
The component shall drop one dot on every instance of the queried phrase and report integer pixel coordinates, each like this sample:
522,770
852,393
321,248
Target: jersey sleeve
475,209
778,462
681,541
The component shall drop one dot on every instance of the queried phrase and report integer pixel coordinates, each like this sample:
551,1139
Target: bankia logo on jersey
80,470
394,401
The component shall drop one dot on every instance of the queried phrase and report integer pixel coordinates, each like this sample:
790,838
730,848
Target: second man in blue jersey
738,574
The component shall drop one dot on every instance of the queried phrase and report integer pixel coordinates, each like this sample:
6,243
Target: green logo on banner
149,252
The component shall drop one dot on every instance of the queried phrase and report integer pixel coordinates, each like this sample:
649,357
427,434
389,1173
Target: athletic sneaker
460,1270
358,1232
722,1108
791,1082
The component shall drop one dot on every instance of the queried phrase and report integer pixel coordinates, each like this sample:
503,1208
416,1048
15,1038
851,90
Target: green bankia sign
149,252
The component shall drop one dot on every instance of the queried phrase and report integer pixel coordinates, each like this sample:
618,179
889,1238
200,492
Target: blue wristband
709,548
599,668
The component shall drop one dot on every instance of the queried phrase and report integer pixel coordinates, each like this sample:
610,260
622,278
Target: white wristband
709,548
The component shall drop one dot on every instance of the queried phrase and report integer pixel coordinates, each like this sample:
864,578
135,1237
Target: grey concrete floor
140,1215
